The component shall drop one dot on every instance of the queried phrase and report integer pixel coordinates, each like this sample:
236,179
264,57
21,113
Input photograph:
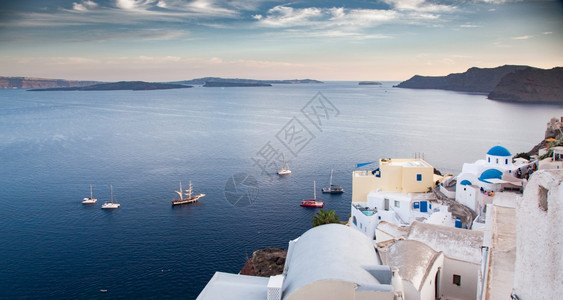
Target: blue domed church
478,181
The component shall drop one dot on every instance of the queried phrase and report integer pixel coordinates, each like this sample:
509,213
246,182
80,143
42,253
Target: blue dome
490,174
465,182
499,151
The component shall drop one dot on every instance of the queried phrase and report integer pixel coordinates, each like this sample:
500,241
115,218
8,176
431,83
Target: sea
228,142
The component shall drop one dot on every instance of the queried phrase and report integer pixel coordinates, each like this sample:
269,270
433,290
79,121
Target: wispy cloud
523,37
419,5
88,12
402,11
285,16
84,5
361,17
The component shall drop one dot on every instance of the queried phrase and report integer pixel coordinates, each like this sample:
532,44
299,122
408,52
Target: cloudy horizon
167,40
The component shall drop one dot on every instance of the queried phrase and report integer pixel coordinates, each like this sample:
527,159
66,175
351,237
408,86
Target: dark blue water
53,145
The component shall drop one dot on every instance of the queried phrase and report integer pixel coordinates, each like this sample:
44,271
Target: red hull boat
314,202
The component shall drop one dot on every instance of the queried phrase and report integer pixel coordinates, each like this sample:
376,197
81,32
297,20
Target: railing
363,208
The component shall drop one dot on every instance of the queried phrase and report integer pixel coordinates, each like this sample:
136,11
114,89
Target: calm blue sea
53,145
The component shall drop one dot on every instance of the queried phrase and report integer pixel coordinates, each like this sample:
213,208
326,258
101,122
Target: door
423,206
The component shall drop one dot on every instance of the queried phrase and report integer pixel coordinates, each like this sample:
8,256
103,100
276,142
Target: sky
168,40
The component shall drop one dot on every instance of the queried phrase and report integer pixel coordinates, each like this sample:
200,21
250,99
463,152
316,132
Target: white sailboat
90,200
285,169
110,204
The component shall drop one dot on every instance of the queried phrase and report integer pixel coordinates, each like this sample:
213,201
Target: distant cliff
530,85
122,85
369,83
37,83
234,84
478,80
216,81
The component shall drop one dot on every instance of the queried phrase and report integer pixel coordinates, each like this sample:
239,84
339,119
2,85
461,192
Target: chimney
275,287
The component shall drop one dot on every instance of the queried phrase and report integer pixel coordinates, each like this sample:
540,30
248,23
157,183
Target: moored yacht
285,169
90,200
313,202
110,204
332,188
189,198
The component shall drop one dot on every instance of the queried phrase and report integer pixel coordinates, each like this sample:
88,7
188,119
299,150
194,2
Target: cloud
285,16
85,5
70,61
469,26
402,11
361,17
419,5
210,8
523,37
133,4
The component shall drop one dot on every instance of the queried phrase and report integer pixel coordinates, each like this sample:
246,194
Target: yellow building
393,175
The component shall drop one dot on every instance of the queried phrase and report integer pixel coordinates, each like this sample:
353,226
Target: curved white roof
460,244
331,252
413,259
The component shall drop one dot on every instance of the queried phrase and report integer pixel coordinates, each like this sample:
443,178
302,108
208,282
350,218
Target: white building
434,261
479,181
330,261
522,257
538,270
399,192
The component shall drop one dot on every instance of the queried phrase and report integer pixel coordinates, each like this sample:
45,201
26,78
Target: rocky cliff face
531,85
37,83
478,80
266,262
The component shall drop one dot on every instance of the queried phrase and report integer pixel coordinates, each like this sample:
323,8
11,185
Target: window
355,221
397,203
418,177
542,197
506,161
497,161
457,280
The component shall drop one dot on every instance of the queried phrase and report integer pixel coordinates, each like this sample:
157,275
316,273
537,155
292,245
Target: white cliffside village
414,235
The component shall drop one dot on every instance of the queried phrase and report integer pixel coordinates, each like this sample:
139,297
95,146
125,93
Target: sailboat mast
91,192
190,190
330,183
111,192
315,190
180,193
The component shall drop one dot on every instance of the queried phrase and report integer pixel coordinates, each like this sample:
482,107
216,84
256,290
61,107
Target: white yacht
285,169
110,204
90,200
